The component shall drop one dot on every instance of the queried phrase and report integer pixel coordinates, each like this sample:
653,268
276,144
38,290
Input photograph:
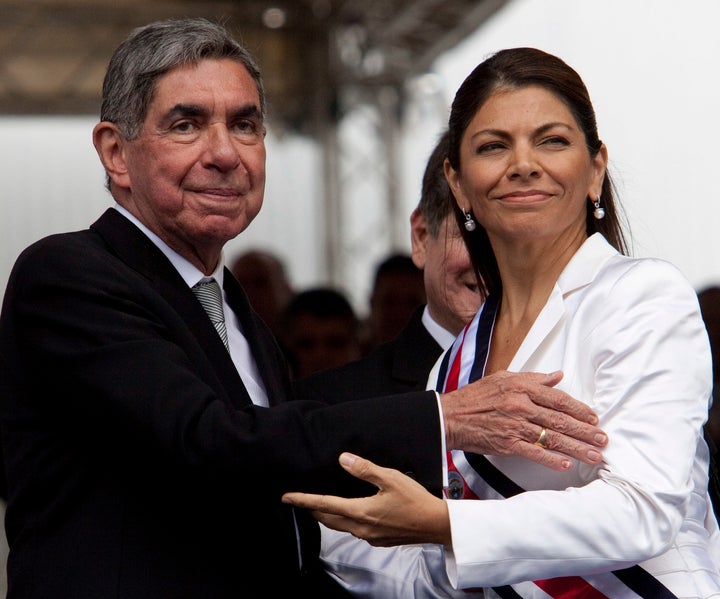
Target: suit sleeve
90,344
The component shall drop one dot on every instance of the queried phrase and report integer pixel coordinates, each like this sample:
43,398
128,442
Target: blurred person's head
709,299
439,251
398,290
264,279
319,330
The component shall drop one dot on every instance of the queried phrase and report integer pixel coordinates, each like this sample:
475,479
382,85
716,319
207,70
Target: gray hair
151,51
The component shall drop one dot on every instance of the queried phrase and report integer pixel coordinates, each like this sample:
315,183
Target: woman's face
525,169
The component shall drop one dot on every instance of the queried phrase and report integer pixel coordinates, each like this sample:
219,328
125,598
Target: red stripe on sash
454,475
569,587
453,376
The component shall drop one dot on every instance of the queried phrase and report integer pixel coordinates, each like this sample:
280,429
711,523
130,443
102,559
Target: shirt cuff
443,447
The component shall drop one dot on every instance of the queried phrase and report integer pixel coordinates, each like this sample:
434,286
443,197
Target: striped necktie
210,297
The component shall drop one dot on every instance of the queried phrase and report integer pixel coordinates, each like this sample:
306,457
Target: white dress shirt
442,336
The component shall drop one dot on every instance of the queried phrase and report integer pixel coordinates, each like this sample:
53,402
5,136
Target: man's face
450,285
196,173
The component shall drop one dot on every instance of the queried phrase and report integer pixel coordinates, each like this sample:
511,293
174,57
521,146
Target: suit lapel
415,352
266,352
139,253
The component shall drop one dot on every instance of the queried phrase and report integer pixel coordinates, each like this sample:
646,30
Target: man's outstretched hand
505,414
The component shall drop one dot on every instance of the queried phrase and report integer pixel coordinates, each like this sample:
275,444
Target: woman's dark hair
516,68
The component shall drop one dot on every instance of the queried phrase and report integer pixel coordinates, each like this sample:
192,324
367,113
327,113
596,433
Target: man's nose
222,151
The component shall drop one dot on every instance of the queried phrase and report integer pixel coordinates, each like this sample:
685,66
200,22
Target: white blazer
628,335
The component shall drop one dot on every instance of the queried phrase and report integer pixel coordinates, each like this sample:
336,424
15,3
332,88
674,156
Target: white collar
442,336
188,271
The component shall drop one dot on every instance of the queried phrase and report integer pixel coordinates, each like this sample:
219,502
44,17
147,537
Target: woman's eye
555,141
489,147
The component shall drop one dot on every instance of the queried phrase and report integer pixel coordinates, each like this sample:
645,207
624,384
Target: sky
650,67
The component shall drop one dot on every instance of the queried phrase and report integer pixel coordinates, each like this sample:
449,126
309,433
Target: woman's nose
524,163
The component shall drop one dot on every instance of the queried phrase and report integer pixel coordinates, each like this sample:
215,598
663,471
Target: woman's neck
528,273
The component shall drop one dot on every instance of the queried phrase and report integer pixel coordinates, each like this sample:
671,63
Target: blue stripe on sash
439,386
482,337
491,475
507,592
643,583
635,578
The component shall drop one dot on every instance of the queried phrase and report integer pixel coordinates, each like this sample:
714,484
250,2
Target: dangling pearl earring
599,212
469,222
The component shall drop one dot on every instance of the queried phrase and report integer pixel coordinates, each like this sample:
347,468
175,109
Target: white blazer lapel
540,332
580,271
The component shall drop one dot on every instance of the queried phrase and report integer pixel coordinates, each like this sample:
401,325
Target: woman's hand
402,512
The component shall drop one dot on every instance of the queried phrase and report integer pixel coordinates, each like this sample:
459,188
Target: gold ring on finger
542,439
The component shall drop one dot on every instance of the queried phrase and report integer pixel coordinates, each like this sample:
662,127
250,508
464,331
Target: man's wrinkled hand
505,414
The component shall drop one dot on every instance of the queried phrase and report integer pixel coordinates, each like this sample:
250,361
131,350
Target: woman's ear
110,145
599,161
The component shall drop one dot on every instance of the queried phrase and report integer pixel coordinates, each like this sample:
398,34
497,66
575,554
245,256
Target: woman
528,172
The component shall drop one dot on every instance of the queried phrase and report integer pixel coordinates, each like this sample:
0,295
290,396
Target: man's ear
110,145
419,234
453,179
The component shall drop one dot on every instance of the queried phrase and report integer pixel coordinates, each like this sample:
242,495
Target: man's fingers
552,378
545,457
560,403
547,396
566,426
546,448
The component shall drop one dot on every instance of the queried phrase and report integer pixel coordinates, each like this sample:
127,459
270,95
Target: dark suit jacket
398,366
137,465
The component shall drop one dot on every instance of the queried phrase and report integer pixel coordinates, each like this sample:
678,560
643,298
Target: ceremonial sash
465,362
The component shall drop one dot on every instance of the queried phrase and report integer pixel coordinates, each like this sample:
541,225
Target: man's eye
247,126
183,127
